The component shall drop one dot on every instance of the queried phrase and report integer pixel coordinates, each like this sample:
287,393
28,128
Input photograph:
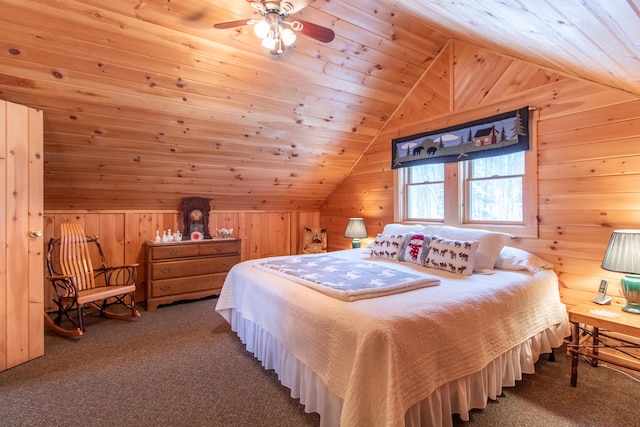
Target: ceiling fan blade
231,24
317,32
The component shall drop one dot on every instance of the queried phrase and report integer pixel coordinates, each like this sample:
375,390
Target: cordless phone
602,297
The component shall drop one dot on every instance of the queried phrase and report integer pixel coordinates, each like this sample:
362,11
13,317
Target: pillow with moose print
387,245
454,256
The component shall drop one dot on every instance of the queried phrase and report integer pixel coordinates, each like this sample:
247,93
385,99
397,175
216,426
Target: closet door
21,242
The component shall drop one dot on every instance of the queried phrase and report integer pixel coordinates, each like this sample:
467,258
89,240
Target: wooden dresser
188,270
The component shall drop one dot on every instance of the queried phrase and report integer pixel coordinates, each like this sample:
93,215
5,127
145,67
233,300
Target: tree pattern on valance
492,136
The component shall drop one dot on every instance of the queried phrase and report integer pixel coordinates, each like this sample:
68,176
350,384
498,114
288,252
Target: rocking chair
77,285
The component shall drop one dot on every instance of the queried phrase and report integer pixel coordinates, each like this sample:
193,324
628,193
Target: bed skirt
457,397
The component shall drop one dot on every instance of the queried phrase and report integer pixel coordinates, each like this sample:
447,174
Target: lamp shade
623,252
623,256
356,229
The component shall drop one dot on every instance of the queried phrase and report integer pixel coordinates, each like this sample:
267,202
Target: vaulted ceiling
145,102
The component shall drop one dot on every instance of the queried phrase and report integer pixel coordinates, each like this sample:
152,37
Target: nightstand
603,320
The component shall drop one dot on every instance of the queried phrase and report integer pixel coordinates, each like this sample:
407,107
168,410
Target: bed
411,358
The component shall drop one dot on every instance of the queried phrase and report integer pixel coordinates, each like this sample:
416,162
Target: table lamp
356,230
623,256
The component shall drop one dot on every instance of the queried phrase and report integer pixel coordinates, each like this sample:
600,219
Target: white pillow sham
395,228
490,243
511,258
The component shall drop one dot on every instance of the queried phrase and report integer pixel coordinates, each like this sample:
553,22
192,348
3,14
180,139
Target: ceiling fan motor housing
283,8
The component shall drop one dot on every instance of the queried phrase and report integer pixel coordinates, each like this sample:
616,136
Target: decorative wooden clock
195,213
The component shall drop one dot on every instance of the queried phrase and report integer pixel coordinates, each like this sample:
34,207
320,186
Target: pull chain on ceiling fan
275,31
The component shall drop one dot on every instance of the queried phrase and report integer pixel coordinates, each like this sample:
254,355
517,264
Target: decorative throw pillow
415,248
455,256
314,240
490,243
518,259
387,245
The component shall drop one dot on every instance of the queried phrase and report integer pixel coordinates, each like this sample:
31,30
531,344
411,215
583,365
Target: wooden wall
123,233
588,170
589,160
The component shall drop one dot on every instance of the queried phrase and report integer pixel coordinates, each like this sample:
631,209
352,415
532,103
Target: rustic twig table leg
574,354
596,342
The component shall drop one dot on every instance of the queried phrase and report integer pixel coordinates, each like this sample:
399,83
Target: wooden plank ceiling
145,102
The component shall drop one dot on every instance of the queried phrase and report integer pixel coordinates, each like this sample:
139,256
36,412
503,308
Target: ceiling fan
275,30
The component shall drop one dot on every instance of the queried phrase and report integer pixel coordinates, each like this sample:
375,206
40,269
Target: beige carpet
182,366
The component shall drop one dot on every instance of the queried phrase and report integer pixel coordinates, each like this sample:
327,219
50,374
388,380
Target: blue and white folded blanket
344,279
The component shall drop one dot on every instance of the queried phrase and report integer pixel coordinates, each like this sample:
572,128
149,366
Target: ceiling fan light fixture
269,43
288,37
275,32
262,28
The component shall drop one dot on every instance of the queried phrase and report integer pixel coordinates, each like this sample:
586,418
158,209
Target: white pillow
415,248
489,247
518,259
454,256
387,245
402,228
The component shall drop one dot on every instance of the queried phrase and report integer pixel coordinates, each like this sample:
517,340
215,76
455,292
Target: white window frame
406,187
454,203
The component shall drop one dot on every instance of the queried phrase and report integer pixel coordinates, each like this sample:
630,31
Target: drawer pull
219,249
173,252
165,288
165,270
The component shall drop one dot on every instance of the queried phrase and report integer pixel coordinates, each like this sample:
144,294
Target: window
494,189
425,192
493,193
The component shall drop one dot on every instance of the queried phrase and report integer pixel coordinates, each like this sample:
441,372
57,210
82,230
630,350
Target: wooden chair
77,285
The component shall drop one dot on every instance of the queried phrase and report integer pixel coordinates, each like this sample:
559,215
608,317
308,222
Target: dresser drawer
183,285
192,267
174,251
220,247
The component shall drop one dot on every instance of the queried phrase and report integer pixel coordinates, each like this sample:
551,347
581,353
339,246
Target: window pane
508,164
496,199
426,173
425,201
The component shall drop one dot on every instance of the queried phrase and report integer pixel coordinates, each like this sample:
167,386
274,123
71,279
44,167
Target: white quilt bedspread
384,354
